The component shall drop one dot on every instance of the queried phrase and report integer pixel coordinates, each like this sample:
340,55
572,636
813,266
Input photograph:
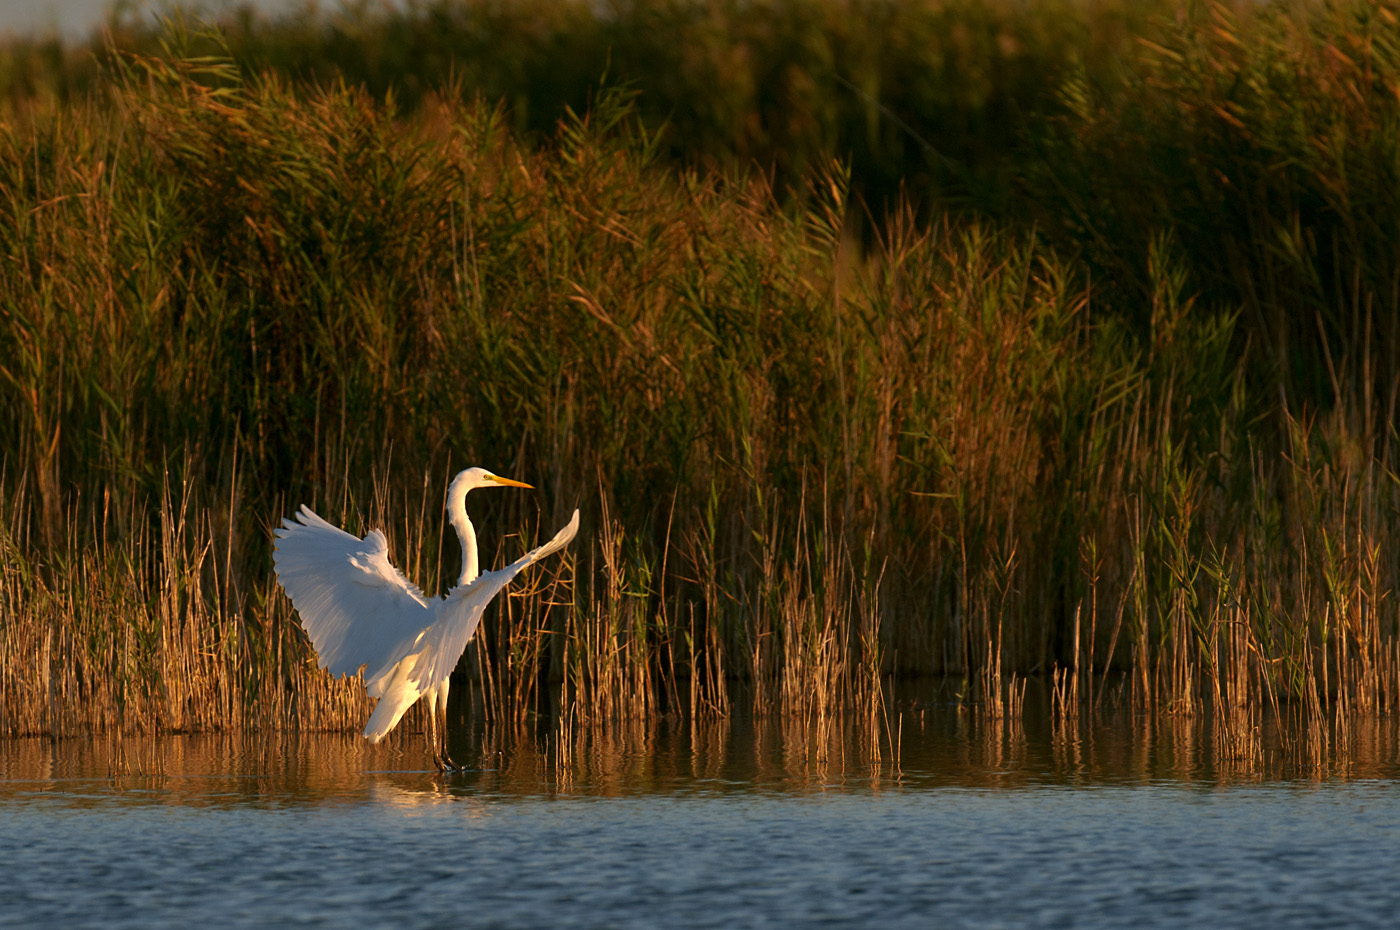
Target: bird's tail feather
397,695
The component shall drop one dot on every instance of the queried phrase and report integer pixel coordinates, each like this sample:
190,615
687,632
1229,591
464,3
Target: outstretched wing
355,606
460,615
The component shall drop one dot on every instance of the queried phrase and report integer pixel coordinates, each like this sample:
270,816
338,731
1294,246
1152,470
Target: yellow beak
511,483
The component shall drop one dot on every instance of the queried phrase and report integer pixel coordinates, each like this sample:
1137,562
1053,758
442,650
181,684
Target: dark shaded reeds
918,97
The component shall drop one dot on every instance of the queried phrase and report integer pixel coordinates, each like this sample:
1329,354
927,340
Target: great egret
360,611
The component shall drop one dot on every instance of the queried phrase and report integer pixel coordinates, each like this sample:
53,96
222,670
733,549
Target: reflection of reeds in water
1066,746
715,754
943,745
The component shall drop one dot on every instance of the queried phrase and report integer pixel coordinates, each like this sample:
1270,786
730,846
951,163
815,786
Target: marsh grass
807,458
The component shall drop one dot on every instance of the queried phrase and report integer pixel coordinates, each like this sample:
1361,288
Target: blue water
682,830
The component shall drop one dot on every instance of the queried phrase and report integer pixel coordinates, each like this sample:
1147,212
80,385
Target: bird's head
473,478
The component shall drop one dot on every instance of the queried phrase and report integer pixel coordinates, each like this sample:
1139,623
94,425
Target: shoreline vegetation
1081,367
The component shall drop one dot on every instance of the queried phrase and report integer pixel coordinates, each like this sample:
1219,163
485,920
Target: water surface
953,822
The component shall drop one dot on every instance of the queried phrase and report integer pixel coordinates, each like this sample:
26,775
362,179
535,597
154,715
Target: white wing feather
460,614
360,611
355,606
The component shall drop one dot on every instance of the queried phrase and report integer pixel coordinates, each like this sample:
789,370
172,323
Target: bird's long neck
466,535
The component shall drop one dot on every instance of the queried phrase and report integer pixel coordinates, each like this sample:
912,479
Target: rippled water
744,824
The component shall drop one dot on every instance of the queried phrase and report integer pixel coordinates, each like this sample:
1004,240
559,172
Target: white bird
361,612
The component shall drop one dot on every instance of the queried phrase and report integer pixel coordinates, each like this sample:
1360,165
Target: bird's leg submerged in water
437,739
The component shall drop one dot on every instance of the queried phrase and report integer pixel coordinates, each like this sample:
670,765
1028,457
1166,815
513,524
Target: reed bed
917,97
814,445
